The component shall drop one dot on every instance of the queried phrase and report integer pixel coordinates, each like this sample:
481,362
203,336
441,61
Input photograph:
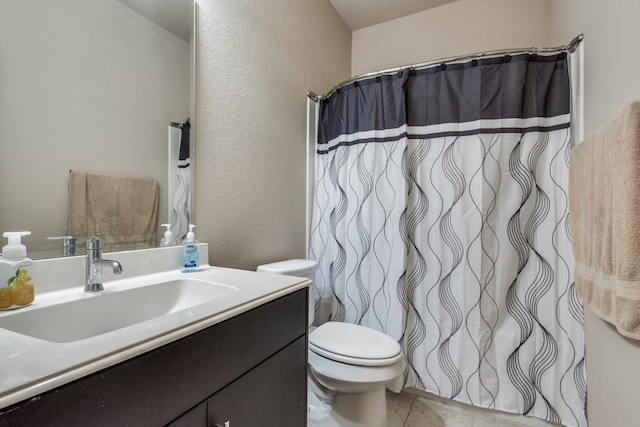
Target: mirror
89,85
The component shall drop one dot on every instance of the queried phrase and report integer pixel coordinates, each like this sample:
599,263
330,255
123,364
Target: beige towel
604,200
120,210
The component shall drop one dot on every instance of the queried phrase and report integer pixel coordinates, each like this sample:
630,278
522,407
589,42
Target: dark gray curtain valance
487,89
376,103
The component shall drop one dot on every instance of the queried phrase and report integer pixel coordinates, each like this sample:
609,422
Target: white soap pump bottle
168,239
16,288
190,252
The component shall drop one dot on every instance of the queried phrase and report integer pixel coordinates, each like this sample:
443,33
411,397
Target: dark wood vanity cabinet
249,370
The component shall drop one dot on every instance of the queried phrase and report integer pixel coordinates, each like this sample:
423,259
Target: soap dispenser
16,288
190,252
168,239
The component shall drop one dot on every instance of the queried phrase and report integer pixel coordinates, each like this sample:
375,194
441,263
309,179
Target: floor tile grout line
404,424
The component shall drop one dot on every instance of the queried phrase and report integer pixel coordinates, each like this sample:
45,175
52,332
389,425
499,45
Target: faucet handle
93,244
69,244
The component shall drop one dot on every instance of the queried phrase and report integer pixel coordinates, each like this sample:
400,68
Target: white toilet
349,365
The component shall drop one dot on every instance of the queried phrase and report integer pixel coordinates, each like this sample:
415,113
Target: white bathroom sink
89,315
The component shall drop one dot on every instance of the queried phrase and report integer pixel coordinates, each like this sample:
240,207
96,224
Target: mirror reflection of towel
121,210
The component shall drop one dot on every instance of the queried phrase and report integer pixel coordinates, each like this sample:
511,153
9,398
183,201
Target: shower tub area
438,212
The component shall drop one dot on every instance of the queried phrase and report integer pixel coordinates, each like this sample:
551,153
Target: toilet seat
354,345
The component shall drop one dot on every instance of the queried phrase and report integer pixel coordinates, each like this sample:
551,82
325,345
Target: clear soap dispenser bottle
168,239
16,288
190,252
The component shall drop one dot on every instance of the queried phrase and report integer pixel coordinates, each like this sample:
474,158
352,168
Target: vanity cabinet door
273,394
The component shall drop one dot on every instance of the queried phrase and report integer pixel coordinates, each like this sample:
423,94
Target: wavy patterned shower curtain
440,217
180,180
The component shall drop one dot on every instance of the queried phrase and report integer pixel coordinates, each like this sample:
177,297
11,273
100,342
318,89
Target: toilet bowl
349,365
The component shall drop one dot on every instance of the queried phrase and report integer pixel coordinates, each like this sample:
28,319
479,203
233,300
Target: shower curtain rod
571,47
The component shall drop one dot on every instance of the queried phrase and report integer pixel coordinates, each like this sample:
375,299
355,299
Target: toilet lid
349,343
290,267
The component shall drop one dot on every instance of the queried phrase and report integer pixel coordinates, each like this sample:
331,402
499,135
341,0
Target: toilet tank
298,268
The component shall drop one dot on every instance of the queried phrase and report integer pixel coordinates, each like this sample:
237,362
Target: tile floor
409,410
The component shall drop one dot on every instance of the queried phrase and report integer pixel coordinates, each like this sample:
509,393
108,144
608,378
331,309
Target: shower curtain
440,217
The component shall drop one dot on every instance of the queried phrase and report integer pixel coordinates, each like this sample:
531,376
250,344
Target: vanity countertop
31,366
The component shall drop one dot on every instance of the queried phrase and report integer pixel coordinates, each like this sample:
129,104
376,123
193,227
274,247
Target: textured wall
255,63
458,28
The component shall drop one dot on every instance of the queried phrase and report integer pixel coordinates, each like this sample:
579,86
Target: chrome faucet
94,266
